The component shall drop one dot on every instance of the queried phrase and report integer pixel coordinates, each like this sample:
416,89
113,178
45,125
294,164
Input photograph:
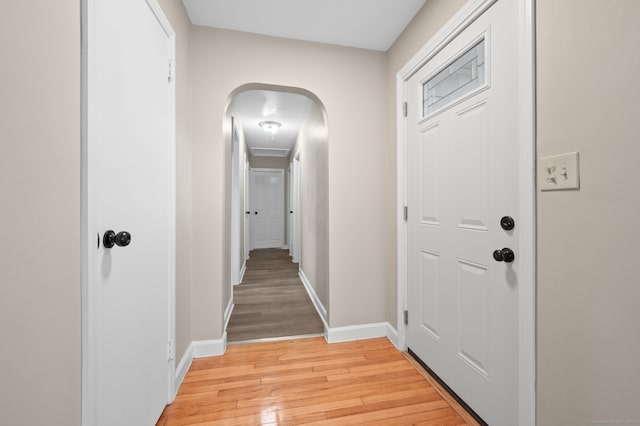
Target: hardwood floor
308,381
271,300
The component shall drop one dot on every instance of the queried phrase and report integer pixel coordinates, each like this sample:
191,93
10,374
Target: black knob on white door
121,239
504,255
507,223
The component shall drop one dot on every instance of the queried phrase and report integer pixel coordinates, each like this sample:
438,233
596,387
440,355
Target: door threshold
457,403
274,339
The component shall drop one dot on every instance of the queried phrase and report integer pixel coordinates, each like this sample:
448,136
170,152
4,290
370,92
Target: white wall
40,213
350,83
313,146
588,284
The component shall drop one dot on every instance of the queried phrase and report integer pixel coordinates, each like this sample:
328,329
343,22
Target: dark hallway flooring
271,301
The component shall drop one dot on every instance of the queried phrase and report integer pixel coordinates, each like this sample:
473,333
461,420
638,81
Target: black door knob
504,255
256,212
247,212
507,223
121,239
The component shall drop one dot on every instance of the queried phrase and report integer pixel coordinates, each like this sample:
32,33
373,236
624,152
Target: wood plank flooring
271,300
307,381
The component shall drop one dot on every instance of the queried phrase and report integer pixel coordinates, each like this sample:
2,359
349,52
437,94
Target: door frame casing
88,205
526,186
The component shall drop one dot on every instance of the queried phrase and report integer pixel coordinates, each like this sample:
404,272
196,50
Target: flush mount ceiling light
270,127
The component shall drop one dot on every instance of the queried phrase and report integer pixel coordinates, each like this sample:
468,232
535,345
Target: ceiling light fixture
270,127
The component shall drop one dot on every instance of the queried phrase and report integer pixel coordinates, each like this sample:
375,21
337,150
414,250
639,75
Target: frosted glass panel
464,74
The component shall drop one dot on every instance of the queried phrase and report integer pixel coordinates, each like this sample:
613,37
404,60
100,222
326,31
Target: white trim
242,271
183,368
227,312
359,332
392,335
322,311
526,186
213,347
88,18
527,191
285,247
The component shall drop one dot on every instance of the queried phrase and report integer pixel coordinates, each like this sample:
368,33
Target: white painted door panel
130,188
462,171
268,208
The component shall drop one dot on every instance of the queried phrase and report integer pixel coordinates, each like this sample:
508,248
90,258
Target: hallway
271,300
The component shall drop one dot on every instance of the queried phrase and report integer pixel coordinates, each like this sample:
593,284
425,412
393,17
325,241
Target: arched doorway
280,135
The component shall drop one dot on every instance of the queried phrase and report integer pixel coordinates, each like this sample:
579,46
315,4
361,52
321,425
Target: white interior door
130,178
462,170
267,191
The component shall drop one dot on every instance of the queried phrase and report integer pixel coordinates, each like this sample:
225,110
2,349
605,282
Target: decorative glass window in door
463,75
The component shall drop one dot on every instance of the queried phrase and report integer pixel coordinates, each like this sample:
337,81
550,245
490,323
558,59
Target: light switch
559,172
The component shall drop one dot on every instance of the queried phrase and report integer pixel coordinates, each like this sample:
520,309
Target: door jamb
526,187
88,240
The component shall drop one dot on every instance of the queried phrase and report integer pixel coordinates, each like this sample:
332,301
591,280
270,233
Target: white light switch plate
559,172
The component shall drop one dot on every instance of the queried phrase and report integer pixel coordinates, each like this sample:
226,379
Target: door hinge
406,213
405,109
406,317
170,353
171,70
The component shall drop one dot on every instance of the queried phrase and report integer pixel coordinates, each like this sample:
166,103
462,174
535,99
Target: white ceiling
368,24
254,106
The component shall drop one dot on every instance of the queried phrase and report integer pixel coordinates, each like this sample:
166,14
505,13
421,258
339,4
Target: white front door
130,178
462,162
267,191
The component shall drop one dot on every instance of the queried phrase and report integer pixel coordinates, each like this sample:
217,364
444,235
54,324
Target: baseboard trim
227,313
314,298
242,271
392,335
361,332
183,367
285,247
206,348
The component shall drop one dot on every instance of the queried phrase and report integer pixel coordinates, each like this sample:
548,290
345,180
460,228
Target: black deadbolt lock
507,223
121,239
